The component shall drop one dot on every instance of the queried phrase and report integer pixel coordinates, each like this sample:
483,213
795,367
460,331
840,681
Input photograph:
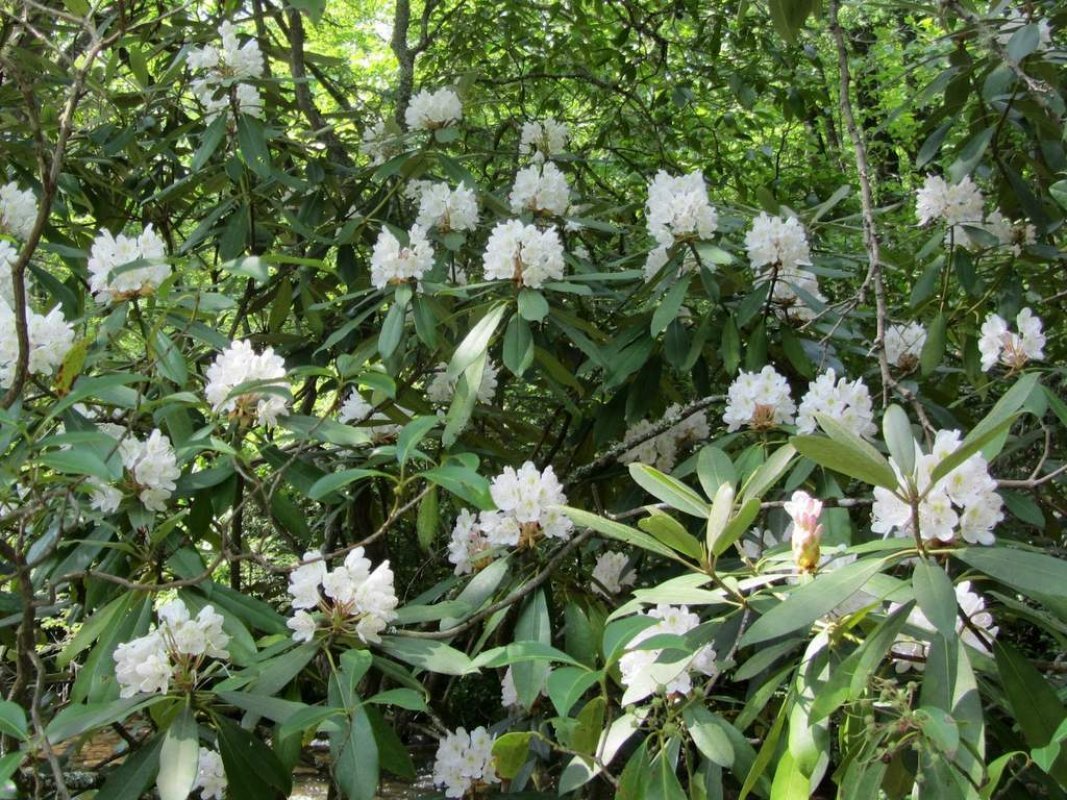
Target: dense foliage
624,399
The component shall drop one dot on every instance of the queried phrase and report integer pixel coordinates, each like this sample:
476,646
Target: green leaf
253,771
667,310
846,459
811,601
273,708
672,533
566,685
509,753
209,142
789,780
518,349
719,517
80,461
355,762
77,719
392,331
619,532
401,698
940,728
532,305
933,349
13,720
1028,572
714,468
670,490
533,625
137,772
476,342
252,140
428,519
331,483
411,435
179,757
896,429
1034,703
768,473
663,782
428,654
708,734
935,595
169,359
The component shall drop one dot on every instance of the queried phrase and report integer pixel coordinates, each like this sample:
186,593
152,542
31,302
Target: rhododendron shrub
599,406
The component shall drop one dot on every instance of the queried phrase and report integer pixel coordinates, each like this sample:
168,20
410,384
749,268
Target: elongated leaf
135,775
533,625
331,483
845,459
253,772
411,435
670,490
476,342
428,654
355,765
1028,572
935,595
768,472
896,429
813,600
12,720
672,533
618,531
179,757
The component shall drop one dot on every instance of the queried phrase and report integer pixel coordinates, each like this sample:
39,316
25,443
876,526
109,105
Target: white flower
678,208
305,580
210,775
199,636
50,335
528,494
18,211
904,344
661,451
8,255
142,665
759,400
848,402
637,665
464,761
607,574
541,189
303,626
356,409
428,110
151,466
240,364
776,242
524,254
233,60
963,504
660,255
216,98
1013,350
1016,235
380,142
468,543
971,604
509,695
543,138
110,253
441,388
443,208
392,263
955,204
368,597
105,498
793,292
804,511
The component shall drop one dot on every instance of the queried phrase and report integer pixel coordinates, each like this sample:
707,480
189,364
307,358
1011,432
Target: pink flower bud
804,510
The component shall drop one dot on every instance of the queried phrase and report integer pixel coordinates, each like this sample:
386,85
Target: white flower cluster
777,242
240,364
50,335
971,604
541,189
8,255
356,409
18,211
464,762
543,138
661,451
353,592
390,262
429,111
380,143
999,345
443,208
963,504
904,344
210,775
678,209
441,388
777,249
110,252
636,665
760,400
848,402
227,69
524,254
1015,235
658,257
151,468
608,574
526,503
178,645
955,204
